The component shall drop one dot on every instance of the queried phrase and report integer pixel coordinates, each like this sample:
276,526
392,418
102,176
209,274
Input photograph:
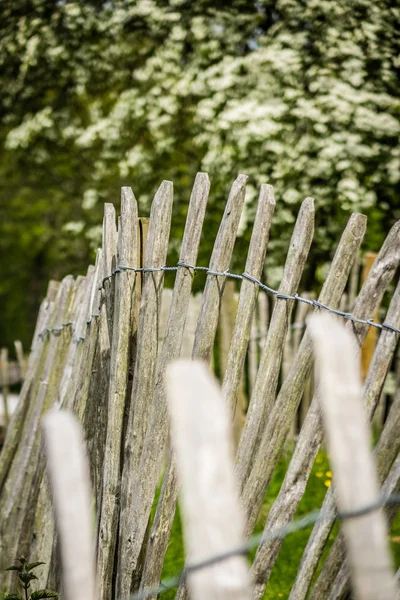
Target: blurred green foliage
99,94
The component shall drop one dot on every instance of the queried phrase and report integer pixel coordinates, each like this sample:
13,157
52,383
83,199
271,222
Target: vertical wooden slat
139,487
353,287
122,327
280,419
212,515
227,317
348,440
248,295
90,397
263,312
266,383
39,526
110,260
202,349
253,352
190,326
219,262
144,377
297,330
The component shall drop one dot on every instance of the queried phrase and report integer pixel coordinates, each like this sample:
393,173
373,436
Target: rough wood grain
202,349
253,353
37,531
143,382
122,331
212,515
248,295
348,440
263,312
190,326
311,434
79,399
263,396
280,419
68,470
78,318
219,262
138,497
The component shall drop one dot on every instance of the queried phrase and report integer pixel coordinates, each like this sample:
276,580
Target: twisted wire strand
194,269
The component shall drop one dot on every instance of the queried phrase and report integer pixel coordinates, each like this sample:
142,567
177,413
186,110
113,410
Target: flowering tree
300,94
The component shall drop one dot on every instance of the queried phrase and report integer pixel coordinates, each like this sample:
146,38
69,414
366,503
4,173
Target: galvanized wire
194,269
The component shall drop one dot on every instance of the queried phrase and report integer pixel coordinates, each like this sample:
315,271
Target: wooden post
356,483
213,517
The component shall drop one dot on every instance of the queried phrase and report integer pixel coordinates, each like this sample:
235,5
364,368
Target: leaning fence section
102,348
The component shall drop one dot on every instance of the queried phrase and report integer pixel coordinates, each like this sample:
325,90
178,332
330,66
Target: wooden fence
100,350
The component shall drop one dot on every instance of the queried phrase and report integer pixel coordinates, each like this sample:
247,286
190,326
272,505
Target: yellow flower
280,595
328,473
328,483
319,474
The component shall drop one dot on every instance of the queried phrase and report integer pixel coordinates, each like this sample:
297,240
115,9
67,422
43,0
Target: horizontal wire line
257,540
244,275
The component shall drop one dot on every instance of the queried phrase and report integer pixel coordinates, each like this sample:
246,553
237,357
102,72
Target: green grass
285,568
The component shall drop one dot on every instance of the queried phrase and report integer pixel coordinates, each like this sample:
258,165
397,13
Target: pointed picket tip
127,194
267,194
165,189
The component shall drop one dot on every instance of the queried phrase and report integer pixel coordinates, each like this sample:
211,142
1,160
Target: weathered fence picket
265,386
